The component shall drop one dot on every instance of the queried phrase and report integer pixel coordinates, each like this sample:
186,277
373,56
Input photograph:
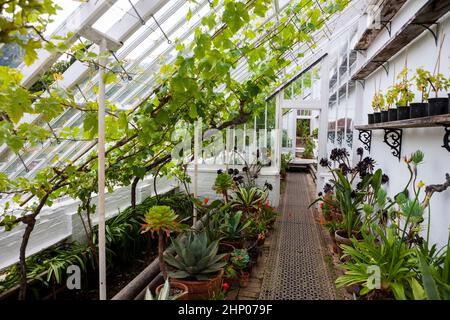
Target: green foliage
385,250
164,294
195,257
239,258
249,200
161,218
233,226
223,184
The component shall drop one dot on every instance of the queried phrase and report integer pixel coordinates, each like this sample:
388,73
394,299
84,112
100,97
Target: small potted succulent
420,109
377,105
438,105
404,96
168,291
240,258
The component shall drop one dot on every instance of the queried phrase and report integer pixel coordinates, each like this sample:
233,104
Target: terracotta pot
205,289
244,278
341,237
177,285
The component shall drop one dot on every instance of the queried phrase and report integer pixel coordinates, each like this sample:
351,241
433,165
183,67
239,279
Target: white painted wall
422,52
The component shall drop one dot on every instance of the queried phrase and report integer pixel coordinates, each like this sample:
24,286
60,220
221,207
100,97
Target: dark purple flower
327,188
359,151
245,169
235,172
320,194
230,171
344,168
384,178
324,162
219,171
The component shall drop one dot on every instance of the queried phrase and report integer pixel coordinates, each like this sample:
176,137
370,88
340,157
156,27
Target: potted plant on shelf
403,97
240,258
197,264
438,105
421,109
377,105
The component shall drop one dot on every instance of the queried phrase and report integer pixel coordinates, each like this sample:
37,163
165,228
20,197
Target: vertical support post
323,120
278,131
197,133
101,172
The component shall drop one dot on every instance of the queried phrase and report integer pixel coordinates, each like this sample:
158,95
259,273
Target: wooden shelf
426,16
425,122
388,11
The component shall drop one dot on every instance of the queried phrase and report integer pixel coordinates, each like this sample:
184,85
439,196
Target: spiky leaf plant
195,257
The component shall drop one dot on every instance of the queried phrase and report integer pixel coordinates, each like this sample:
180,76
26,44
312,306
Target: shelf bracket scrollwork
393,138
446,139
365,136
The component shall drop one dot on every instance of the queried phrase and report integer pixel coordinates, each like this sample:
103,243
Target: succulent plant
240,258
222,184
164,294
232,227
163,220
195,257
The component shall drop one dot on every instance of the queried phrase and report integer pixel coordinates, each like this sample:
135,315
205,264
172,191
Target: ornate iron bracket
331,136
446,138
393,138
365,136
339,137
434,34
387,25
384,65
362,82
349,139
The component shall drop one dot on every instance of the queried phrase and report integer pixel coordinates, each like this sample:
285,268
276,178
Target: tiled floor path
295,262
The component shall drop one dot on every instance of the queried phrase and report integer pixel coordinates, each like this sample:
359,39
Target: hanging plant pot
403,112
384,116
419,110
376,117
437,106
392,114
370,118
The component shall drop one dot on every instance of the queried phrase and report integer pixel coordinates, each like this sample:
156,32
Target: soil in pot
384,116
205,289
419,110
437,106
176,289
370,118
403,112
376,117
392,114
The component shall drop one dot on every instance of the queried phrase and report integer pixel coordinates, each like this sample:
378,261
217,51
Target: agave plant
249,200
163,220
195,257
232,227
223,184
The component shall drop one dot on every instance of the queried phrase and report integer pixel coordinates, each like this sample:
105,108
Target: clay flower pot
244,278
175,286
205,289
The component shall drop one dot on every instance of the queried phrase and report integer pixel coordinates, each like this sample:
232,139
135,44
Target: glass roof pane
67,8
117,11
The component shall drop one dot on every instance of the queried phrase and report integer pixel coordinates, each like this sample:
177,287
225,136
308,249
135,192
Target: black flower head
219,171
235,179
344,168
338,154
235,172
320,194
359,185
324,162
353,194
230,171
384,178
327,188
245,169
359,151
268,186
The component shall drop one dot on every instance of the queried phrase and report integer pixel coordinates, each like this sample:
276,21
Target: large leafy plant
249,200
195,257
384,251
234,225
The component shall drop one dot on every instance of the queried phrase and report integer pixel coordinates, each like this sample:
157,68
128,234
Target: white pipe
101,172
197,133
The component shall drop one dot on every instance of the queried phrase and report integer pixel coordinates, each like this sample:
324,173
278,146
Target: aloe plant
195,257
249,200
233,227
164,294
